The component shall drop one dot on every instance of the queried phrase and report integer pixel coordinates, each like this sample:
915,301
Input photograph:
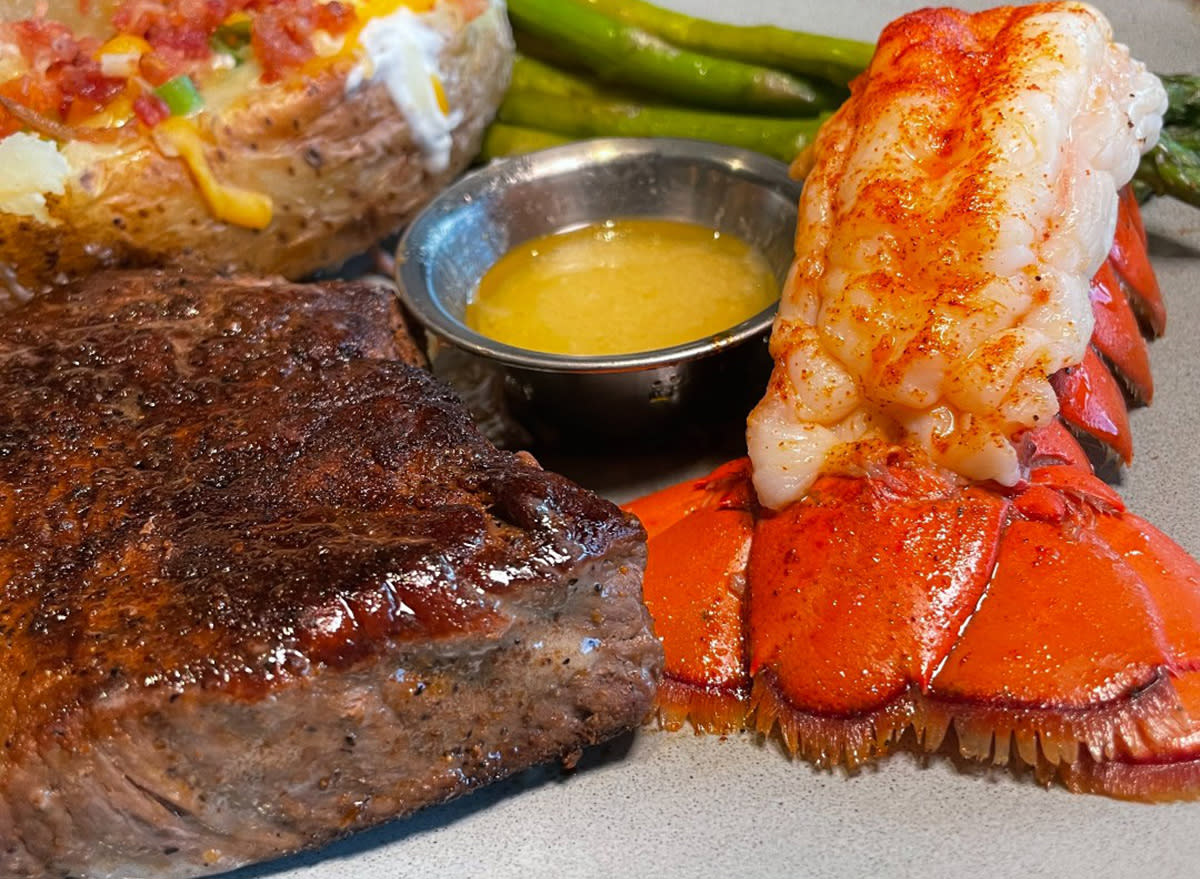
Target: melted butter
620,287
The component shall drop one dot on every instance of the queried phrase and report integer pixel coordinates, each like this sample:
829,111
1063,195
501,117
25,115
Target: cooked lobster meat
961,202
264,583
917,549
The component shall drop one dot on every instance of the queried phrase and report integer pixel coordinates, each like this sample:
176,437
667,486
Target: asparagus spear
622,54
1186,136
513,140
578,117
1171,169
531,75
1183,99
830,58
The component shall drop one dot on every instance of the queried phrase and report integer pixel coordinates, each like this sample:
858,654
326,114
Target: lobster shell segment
832,587
1043,624
1094,395
1131,259
1117,337
1091,401
697,606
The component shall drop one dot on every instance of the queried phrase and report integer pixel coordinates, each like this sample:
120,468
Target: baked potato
268,136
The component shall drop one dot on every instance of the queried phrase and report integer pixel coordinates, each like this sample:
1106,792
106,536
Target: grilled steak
264,584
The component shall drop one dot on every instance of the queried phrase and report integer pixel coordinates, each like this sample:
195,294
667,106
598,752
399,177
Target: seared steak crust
264,584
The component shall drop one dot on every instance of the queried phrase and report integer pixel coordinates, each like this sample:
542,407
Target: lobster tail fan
1044,624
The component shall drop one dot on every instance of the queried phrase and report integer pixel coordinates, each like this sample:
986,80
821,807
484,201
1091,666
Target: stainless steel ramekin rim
428,307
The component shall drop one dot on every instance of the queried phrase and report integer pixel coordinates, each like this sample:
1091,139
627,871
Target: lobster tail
1043,624
939,564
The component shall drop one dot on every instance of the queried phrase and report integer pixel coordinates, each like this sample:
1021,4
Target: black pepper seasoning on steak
264,584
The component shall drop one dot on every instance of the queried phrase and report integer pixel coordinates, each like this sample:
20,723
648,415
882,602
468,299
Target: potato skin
342,170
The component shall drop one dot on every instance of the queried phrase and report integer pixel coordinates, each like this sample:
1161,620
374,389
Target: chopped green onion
180,96
233,39
233,34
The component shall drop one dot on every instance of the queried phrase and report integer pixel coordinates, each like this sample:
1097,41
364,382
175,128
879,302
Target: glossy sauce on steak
264,584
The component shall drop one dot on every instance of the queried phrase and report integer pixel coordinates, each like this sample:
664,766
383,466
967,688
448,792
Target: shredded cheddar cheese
119,57
123,44
439,92
368,9
116,114
178,136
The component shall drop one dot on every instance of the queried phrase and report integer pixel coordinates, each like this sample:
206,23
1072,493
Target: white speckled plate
660,804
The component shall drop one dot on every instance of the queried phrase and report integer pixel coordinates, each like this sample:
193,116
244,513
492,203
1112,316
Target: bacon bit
45,44
65,83
151,109
175,23
335,17
280,42
154,69
180,30
282,35
84,85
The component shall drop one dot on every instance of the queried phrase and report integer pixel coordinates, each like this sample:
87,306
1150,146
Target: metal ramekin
467,228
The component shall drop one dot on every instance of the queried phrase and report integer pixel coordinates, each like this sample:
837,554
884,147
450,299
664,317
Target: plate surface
673,804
